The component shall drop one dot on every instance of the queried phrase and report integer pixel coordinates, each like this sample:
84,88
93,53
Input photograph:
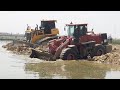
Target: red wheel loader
79,43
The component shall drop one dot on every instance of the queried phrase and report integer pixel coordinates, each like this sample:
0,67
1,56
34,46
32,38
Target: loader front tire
68,54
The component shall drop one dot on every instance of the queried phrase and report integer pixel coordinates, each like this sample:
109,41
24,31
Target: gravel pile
18,48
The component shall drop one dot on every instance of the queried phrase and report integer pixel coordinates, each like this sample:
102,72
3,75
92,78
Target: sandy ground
110,58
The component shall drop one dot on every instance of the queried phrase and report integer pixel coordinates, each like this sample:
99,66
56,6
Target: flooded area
14,66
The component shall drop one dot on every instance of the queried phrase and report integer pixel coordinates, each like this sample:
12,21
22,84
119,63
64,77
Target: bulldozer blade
40,54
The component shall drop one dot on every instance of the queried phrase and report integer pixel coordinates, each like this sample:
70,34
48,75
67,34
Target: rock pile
110,58
18,49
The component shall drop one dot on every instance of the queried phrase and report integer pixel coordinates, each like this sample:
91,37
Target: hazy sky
101,21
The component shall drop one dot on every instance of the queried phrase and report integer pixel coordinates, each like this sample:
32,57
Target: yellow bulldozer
46,29
42,34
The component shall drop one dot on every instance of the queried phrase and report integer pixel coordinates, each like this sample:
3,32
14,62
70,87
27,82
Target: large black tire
99,50
68,54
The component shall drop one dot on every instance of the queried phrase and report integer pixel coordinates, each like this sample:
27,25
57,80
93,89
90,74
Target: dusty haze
101,21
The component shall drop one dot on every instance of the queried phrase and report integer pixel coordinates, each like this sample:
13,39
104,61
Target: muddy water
12,66
22,67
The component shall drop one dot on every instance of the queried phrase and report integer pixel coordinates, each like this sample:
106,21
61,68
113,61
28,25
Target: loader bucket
41,55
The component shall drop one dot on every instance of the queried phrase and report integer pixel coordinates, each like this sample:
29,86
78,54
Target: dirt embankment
110,58
18,48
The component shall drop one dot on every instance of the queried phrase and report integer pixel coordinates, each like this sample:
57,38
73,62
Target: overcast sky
101,21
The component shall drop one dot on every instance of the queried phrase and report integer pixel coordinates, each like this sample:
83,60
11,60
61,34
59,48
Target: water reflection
72,70
113,75
12,67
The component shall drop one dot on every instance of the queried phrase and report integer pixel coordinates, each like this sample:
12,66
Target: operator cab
76,30
47,25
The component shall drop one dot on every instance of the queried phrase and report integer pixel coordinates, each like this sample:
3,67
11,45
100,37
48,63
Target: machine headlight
105,40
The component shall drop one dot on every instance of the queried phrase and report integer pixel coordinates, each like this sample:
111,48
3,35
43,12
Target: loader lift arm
60,48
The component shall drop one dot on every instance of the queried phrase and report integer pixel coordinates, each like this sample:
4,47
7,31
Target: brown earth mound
110,58
18,48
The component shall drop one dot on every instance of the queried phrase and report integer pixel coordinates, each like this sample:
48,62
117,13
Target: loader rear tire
68,54
99,50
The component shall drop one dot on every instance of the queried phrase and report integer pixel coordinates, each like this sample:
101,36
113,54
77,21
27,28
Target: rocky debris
18,48
7,45
110,58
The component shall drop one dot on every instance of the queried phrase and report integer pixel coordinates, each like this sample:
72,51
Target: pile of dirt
18,48
110,58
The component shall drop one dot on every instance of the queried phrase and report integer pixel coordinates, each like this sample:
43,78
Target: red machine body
54,44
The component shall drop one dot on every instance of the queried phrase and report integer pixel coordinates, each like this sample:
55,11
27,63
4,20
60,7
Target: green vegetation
6,39
115,41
